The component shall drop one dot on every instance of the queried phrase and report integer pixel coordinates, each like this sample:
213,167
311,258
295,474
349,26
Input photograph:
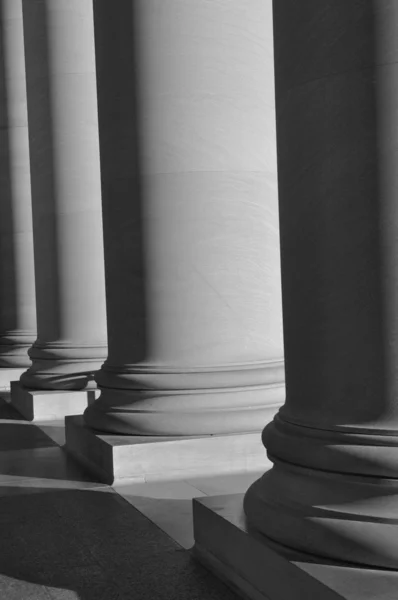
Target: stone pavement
66,537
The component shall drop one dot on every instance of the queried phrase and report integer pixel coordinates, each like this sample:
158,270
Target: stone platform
114,458
258,569
7,375
43,405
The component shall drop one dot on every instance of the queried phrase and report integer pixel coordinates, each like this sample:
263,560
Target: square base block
45,405
258,569
7,375
116,458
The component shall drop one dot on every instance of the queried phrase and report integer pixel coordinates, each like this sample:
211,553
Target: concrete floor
64,536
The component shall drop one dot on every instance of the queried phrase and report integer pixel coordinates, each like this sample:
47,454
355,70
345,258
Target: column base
7,375
259,569
45,405
116,458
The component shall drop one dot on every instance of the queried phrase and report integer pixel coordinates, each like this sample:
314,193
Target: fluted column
333,490
66,194
17,287
186,114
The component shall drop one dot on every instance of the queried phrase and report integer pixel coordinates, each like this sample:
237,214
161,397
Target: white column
66,194
17,287
186,107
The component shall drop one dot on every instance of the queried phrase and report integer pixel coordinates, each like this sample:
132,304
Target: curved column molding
188,151
66,194
17,286
188,401
333,490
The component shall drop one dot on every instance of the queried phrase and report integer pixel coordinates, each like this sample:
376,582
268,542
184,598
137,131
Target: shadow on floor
64,536
91,545
27,451
6,410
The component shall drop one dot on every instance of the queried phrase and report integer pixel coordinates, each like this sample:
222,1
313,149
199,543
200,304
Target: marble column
333,490
17,286
188,151
66,194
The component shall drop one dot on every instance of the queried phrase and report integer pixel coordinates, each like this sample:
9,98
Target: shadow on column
8,317
335,213
44,200
45,231
42,158
332,490
122,195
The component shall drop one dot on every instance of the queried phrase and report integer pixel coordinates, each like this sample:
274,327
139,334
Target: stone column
333,490
186,116
17,287
66,194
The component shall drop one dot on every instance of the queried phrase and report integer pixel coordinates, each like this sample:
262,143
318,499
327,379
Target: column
17,287
333,490
66,194
186,118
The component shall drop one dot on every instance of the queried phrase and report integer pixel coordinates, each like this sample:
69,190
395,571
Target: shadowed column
186,117
333,490
17,286
66,195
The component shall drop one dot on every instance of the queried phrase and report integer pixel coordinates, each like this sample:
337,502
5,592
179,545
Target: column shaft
333,489
186,113
17,287
66,194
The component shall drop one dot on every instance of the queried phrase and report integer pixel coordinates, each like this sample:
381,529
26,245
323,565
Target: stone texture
45,405
7,375
64,536
17,283
114,458
332,491
66,194
262,570
188,156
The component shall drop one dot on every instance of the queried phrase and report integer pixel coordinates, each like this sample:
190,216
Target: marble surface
169,503
263,570
118,458
187,137
68,537
336,84
66,194
49,405
17,281
8,375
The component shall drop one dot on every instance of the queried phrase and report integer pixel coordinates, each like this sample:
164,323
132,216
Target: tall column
333,490
17,287
186,117
66,194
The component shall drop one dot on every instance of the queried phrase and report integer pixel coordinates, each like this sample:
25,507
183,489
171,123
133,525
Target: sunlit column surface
66,194
186,114
333,490
17,287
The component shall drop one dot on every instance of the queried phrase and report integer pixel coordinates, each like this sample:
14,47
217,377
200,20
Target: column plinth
66,195
190,218
333,489
17,286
